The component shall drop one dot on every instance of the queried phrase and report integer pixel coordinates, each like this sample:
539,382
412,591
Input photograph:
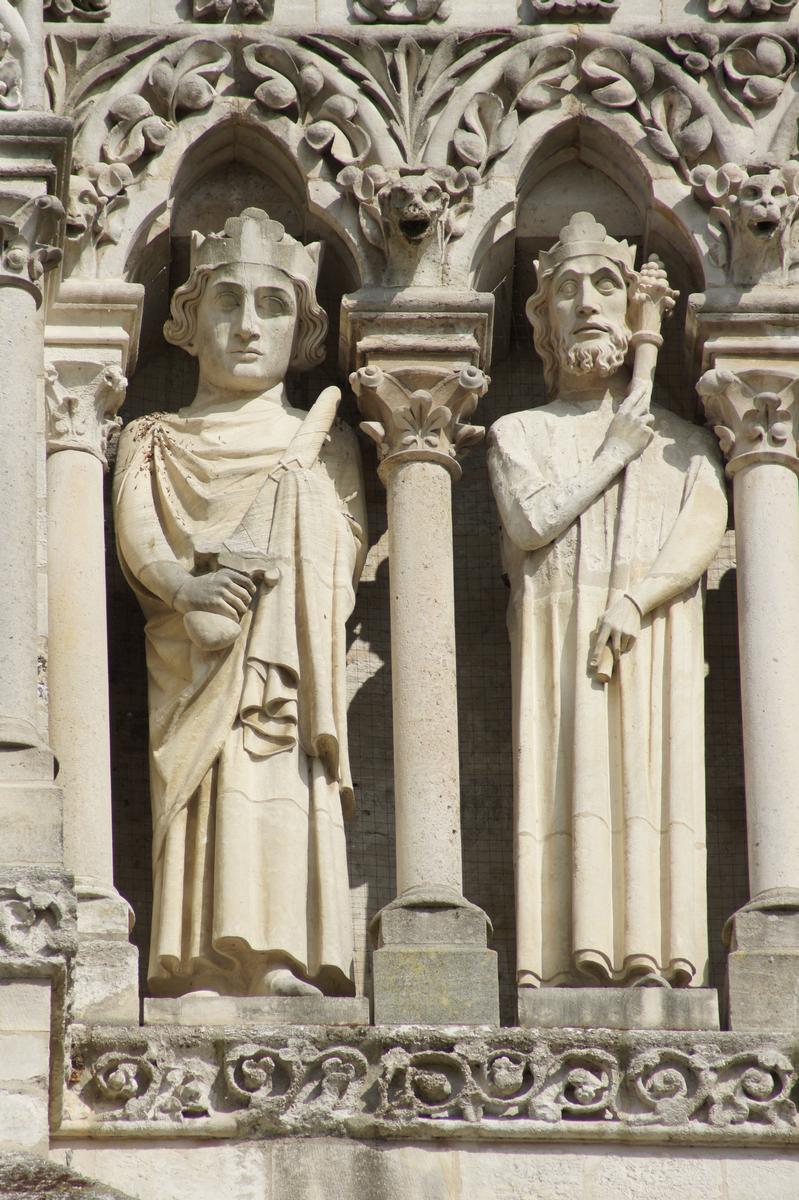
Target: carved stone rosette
416,414
83,400
754,415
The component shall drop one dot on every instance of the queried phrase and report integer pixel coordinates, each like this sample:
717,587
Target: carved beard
602,357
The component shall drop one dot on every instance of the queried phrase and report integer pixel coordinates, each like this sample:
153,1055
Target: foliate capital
29,236
754,415
420,413
83,401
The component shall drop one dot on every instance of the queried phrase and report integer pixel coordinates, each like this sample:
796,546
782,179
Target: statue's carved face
246,322
414,206
83,207
763,204
588,312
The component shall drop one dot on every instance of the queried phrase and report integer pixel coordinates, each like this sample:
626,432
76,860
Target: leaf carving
185,79
614,80
539,82
489,130
336,132
673,130
135,131
753,71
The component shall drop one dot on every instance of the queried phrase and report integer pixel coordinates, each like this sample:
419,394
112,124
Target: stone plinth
257,1010
619,1008
763,965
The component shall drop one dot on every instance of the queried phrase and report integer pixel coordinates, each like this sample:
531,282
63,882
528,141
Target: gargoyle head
413,205
762,205
84,207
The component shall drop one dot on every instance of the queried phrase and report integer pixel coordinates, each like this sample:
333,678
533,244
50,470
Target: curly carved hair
309,338
544,335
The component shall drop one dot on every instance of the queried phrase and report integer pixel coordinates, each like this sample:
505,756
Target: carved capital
754,415
419,413
83,400
29,233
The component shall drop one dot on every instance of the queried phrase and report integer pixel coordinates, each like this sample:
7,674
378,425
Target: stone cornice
466,1085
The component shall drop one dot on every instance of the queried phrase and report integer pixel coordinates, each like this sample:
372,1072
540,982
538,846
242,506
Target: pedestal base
435,985
257,1010
763,966
106,971
618,1008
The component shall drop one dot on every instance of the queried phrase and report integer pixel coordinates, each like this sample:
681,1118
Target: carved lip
591,327
248,355
76,226
414,228
765,226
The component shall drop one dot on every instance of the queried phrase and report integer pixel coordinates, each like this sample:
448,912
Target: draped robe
609,779
248,748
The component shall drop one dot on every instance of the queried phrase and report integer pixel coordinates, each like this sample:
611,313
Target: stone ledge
413,1082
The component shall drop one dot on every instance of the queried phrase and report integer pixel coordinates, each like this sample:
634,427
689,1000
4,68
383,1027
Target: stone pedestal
763,966
619,1008
417,383
196,1009
24,1065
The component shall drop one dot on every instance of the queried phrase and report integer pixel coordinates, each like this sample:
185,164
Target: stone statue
610,516
243,543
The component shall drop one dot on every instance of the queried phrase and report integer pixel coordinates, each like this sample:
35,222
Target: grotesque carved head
84,207
579,311
413,206
762,205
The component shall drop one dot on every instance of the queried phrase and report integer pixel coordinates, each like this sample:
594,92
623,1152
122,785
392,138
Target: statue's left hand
618,628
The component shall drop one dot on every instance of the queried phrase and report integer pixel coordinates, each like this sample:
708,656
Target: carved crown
585,235
255,238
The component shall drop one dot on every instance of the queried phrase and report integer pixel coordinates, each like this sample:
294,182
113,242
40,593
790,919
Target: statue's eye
778,191
431,195
606,284
750,194
271,306
227,301
568,289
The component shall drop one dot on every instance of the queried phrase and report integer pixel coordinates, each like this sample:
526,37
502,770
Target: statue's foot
280,981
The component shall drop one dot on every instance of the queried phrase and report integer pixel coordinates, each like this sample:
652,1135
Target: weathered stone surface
257,1010
435,985
619,1008
28,1177
431,1084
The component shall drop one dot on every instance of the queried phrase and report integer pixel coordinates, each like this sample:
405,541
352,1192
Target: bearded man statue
249,773
609,775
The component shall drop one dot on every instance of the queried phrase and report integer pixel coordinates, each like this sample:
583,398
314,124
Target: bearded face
587,310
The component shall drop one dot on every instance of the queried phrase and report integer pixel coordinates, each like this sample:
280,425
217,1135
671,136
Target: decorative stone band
83,400
28,240
510,1084
754,415
415,413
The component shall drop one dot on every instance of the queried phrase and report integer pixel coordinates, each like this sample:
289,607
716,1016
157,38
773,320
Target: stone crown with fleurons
584,235
253,237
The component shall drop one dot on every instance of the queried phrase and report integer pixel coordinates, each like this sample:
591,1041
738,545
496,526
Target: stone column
754,411
431,965
90,341
30,804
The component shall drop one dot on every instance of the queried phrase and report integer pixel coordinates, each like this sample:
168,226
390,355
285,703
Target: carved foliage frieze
77,10
575,9
749,8
401,12
37,921
368,1083
222,10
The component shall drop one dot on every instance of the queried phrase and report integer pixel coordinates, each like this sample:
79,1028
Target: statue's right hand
630,431
225,591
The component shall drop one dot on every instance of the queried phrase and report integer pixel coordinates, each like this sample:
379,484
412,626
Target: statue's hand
619,628
630,431
225,591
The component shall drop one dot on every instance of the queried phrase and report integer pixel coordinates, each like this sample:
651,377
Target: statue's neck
211,399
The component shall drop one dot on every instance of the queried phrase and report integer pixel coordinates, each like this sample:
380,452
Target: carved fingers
618,630
226,592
